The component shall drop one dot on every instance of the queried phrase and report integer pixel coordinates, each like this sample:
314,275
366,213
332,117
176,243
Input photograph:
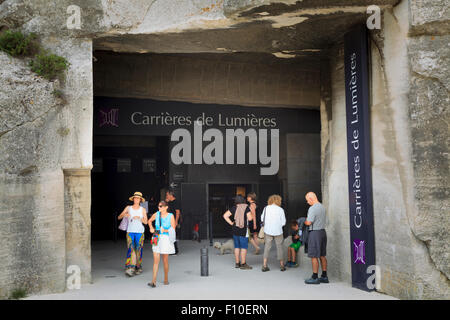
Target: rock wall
429,115
45,127
32,254
409,137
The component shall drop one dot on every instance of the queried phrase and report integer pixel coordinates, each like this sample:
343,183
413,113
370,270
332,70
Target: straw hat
137,194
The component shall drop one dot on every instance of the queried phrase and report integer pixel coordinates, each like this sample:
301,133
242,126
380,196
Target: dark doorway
221,198
123,165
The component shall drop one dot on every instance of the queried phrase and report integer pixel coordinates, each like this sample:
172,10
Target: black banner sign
128,116
359,158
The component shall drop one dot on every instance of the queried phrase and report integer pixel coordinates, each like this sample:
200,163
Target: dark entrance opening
221,199
123,165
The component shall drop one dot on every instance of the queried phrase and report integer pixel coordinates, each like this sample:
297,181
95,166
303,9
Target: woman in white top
137,217
164,221
274,219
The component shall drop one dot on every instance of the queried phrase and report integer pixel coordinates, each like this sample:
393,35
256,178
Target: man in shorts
317,239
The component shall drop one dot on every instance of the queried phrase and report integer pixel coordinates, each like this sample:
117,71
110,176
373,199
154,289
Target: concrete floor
224,281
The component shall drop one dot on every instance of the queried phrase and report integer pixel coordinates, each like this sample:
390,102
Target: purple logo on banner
359,252
108,117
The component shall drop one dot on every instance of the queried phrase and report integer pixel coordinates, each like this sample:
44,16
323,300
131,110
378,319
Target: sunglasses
160,206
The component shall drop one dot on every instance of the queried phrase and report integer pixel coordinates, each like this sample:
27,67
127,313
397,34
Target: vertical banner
362,237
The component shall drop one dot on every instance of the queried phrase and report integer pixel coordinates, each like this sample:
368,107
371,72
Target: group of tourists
249,223
252,223
163,240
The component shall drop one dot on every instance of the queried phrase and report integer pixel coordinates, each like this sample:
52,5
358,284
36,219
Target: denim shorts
240,242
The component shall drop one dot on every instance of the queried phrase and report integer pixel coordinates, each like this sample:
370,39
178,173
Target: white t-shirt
135,225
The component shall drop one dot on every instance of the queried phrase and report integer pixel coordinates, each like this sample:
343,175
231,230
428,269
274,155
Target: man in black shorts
317,239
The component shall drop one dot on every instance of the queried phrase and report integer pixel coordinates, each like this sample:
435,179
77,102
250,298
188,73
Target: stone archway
46,141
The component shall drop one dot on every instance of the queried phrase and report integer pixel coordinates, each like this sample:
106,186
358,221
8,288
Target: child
195,234
295,245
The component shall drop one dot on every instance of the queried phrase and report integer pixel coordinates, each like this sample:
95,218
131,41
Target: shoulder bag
124,224
172,234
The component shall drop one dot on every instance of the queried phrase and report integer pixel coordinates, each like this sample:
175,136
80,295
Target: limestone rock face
31,198
27,105
429,116
430,16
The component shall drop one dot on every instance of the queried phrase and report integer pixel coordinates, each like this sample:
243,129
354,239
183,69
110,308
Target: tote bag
172,235
123,224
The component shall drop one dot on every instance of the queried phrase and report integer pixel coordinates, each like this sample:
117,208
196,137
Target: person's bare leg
323,264
243,256
155,266
255,240
252,241
293,255
315,265
236,254
289,254
165,258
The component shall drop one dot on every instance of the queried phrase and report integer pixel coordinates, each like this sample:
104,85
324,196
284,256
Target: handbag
261,231
155,236
123,224
172,235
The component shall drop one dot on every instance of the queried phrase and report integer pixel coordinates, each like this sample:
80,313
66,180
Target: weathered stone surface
430,16
430,115
249,80
27,104
409,115
32,254
77,205
335,188
30,184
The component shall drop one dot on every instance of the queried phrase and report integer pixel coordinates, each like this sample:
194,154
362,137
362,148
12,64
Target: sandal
129,272
283,268
166,282
264,269
151,284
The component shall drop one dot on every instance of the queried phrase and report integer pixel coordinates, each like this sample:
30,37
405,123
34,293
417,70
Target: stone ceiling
283,28
302,29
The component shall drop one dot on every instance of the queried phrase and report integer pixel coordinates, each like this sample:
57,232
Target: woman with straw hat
137,217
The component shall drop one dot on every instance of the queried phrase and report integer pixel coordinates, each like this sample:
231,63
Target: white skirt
164,245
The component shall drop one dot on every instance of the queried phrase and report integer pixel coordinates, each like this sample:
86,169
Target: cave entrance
141,99
123,165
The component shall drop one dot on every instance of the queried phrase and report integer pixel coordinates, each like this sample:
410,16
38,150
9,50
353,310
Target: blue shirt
165,222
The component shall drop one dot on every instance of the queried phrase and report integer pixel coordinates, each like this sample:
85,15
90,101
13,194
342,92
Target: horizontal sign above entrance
126,116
